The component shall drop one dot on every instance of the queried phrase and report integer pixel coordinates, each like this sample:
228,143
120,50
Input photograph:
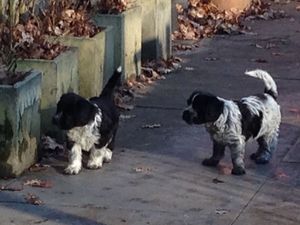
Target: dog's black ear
208,107
86,112
214,109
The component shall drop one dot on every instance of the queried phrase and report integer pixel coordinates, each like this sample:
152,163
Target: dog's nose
186,116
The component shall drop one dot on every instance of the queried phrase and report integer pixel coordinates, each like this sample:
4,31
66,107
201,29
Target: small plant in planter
20,94
71,25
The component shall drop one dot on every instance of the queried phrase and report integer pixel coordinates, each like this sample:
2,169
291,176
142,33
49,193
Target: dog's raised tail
113,82
270,85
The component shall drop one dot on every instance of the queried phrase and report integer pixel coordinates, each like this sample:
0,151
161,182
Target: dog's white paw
72,169
107,155
95,163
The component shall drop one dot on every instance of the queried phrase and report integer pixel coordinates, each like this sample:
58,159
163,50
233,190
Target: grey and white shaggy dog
231,123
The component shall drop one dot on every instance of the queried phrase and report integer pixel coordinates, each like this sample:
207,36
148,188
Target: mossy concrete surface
91,61
156,29
60,76
127,30
19,125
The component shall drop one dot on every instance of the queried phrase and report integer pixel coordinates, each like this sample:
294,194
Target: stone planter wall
19,125
156,29
91,61
109,58
127,39
59,76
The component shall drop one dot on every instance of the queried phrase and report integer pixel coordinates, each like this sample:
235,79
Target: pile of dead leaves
261,10
113,6
200,20
65,18
154,70
203,19
151,71
27,41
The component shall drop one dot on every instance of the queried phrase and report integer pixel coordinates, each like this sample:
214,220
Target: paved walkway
156,176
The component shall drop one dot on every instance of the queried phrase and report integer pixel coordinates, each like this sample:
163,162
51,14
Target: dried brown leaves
27,41
64,18
33,199
203,19
156,69
38,183
261,10
12,187
151,71
113,6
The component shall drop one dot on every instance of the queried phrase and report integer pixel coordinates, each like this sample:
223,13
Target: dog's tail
113,82
270,85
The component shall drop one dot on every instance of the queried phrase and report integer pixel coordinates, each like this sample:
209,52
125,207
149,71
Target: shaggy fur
231,123
91,125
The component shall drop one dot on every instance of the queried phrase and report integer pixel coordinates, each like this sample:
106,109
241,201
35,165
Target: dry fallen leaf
280,174
211,59
294,110
221,211
259,60
38,183
189,68
33,199
142,169
224,169
277,54
38,167
217,181
152,126
126,117
12,187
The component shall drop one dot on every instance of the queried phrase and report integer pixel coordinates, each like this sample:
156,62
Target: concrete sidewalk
156,176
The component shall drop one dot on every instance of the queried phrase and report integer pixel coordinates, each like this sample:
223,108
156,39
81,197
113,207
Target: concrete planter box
59,76
127,34
91,62
109,58
156,29
19,125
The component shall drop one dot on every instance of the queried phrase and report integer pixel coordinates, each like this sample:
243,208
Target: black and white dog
91,125
231,123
